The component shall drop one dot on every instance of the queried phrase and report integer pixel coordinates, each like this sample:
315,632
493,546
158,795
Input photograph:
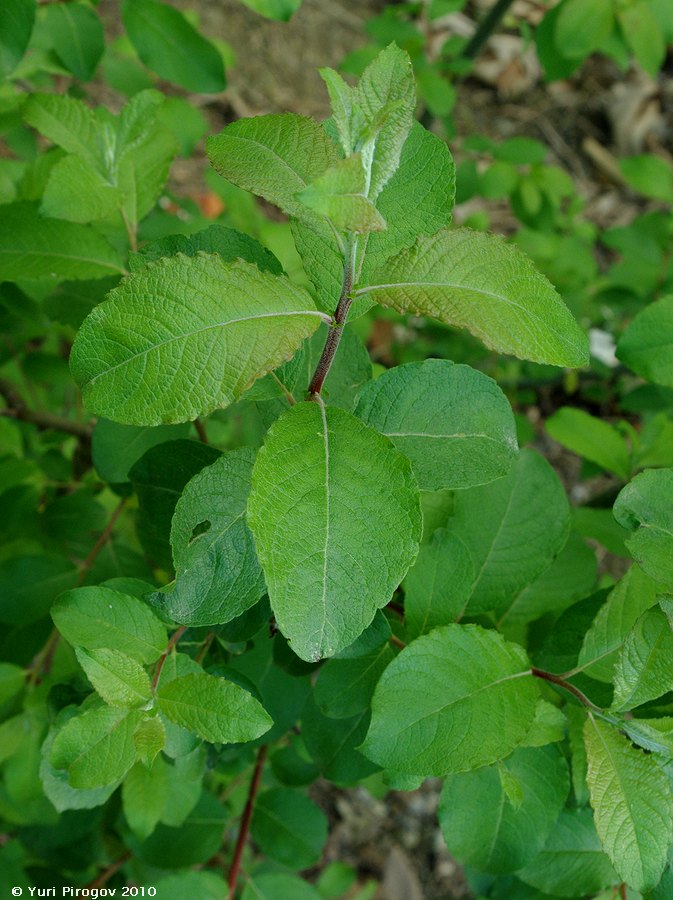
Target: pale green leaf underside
632,802
339,194
644,508
273,156
185,336
453,423
476,281
647,344
335,513
217,710
456,699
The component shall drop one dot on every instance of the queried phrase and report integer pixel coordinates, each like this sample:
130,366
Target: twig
173,640
102,879
246,818
205,647
104,537
336,328
17,409
201,430
567,686
397,642
486,28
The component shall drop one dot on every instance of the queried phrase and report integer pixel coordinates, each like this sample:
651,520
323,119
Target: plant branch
200,430
104,537
486,28
170,646
567,686
336,327
102,879
244,827
17,409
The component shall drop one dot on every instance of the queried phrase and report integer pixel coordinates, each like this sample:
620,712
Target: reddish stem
566,685
244,827
201,431
397,642
174,638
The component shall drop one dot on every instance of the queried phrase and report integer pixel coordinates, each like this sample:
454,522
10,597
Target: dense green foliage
267,561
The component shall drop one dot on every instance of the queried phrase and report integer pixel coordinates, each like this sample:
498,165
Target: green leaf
76,34
650,176
119,679
96,746
227,242
30,584
644,668
218,575
339,195
97,618
570,577
642,33
655,735
453,423
204,885
320,480
484,830
647,344
630,598
116,448
439,584
204,328
150,739
289,828
345,686
347,117
458,716
274,156
513,529
12,680
17,18
67,122
331,744
387,97
632,802
592,438
78,191
34,247
217,710
476,281
571,864
643,507
549,726
168,45
582,26
195,841
144,793
280,10
278,884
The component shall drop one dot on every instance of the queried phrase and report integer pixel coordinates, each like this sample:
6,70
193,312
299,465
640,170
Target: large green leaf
76,34
321,481
166,42
436,711
630,598
32,246
116,448
633,805
274,156
452,422
217,710
644,507
476,281
96,746
218,575
201,328
644,668
592,438
439,584
647,344
17,18
98,618
571,864
513,529
485,829
289,828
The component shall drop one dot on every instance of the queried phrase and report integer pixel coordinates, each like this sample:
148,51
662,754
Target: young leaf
643,507
289,828
484,830
218,575
119,679
632,802
453,423
438,585
339,195
168,45
76,34
17,18
647,344
144,794
204,328
217,710
592,438
35,247
274,156
347,117
150,739
513,529
67,122
97,618
458,716
644,668
321,481
96,746
476,281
